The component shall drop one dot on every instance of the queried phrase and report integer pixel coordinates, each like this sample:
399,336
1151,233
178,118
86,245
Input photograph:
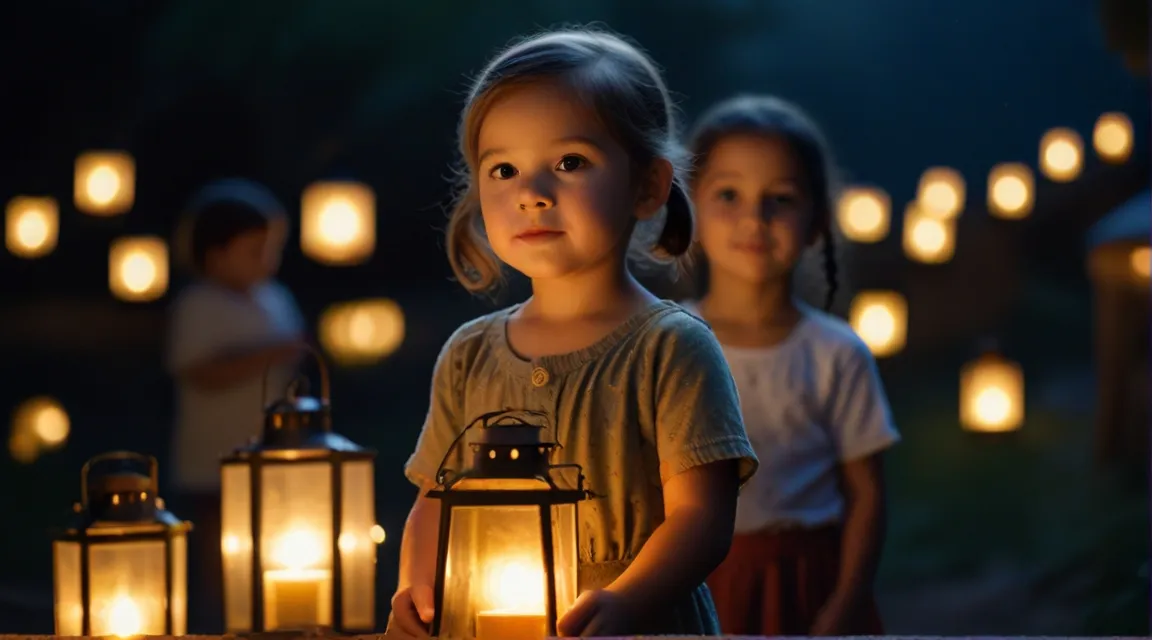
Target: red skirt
774,583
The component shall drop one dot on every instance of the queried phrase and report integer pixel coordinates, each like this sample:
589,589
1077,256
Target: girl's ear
655,186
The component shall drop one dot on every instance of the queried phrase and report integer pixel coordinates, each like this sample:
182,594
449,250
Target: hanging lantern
362,332
941,192
105,182
43,420
121,567
506,558
298,526
991,394
338,223
31,226
927,238
880,318
1140,259
863,214
1010,191
1112,137
138,268
1061,154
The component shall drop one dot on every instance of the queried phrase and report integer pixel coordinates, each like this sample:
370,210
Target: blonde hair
625,90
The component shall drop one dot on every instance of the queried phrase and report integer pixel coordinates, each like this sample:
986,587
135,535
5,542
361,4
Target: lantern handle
149,461
485,419
325,389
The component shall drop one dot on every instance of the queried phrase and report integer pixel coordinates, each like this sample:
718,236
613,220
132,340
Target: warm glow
1010,191
338,222
105,182
362,332
1112,137
297,549
23,447
42,421
991,395
880,318
376,534
941,192
1141,262
928,239
1061,154
514,586
123,617
138,268
863,214
231,544
31,226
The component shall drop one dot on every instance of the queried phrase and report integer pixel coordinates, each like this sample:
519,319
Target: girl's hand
835,617
599,613
412,611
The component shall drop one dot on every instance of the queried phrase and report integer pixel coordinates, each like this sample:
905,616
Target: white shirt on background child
207,321
810,403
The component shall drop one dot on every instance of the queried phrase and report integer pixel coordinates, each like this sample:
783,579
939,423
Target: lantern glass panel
69,608
296,544
495,574
179,560
236,546
127,588
357,549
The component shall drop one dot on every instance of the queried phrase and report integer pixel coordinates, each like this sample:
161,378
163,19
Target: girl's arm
700,509
863,533
418,546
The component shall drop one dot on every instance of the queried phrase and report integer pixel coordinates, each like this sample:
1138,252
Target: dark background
988,536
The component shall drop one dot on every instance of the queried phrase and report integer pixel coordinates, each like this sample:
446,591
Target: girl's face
755,217
555,188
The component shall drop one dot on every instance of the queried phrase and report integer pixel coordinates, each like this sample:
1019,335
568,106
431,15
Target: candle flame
515,586
124,617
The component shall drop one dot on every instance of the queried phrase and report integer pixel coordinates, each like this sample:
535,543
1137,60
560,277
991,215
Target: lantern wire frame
447,479
135,514
288,444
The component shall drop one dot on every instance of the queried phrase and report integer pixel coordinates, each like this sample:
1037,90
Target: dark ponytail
679,223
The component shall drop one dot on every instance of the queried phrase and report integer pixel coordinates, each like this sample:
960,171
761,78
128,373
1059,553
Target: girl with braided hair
809,527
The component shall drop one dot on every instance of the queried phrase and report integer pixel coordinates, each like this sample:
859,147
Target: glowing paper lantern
1141,262
941,192
363,331
44,420
105,182
1061,154
1010,191
338,223
880,318
864,214
928,239
991,394
138,268
31,226
1112,137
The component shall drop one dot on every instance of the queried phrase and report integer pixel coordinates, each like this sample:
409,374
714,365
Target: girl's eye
726,195
570,163
784,199
503,171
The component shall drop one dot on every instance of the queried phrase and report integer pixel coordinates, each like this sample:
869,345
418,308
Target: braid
830,267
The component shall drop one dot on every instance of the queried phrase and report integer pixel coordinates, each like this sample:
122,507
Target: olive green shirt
650,400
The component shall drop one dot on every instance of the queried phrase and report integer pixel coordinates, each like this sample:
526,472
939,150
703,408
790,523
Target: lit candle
296,598
298,594
516,608
122,617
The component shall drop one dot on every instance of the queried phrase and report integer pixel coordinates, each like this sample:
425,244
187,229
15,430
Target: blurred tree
1125,25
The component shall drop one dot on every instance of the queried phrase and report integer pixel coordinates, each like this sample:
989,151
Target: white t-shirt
208,321
810,403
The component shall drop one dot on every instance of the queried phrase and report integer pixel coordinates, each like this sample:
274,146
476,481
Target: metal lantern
506,555
298,525
121,566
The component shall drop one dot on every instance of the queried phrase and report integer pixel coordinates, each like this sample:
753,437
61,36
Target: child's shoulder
677,329
199,295
832,334
467,340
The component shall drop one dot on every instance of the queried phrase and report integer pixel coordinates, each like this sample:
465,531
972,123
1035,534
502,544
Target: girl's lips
539,234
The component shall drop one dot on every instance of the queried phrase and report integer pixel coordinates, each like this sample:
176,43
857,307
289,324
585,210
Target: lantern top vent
119,494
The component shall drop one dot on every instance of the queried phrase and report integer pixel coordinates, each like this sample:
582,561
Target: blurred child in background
227,327
810,524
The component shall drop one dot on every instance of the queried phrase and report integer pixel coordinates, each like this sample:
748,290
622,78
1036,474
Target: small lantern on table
506,555
298,525
120,568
